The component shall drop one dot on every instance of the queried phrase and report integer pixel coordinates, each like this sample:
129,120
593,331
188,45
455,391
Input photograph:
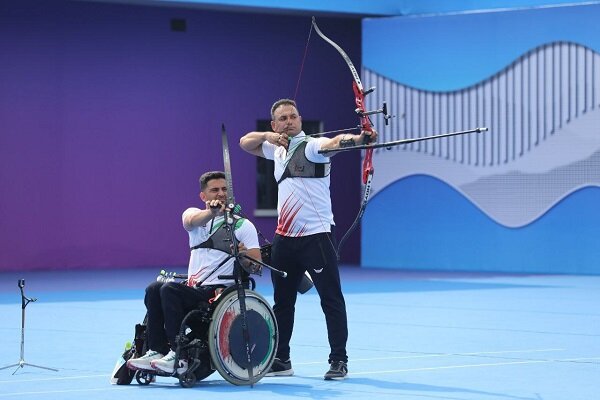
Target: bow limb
227,169
365,125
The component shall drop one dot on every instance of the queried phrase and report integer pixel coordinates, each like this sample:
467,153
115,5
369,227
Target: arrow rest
382,110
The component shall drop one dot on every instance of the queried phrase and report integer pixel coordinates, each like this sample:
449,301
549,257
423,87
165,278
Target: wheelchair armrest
247,281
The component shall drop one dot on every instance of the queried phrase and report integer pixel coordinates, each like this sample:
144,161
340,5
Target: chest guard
220,239
301,167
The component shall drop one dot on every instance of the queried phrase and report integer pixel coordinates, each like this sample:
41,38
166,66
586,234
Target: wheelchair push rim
227,344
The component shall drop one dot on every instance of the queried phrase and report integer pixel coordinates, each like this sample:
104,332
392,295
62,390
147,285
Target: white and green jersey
203,261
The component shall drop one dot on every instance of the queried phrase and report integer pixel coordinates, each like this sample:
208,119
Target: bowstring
302,64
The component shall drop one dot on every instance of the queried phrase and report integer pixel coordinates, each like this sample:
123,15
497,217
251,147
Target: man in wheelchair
209,271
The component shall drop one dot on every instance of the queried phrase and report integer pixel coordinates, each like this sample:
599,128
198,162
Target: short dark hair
282,102
209,176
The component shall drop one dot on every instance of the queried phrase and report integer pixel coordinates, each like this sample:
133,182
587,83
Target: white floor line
439,355
379,372
580,359
464,366
451,367
108,387
113,387
59,378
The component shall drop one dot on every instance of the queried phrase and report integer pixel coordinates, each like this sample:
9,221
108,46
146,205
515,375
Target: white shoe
144,361
167,364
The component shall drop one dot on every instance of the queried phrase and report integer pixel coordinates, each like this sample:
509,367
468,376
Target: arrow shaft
403,141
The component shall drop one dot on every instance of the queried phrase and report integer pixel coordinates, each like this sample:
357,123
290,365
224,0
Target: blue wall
522,197
429,225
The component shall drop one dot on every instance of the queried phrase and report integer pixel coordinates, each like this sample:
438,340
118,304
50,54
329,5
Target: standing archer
304,239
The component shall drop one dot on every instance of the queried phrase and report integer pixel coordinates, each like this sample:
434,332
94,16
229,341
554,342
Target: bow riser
365,123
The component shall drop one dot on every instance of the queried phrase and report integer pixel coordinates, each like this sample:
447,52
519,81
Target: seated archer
167,303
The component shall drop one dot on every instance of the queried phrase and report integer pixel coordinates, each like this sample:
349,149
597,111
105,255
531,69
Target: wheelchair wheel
144,377
187,379
227,345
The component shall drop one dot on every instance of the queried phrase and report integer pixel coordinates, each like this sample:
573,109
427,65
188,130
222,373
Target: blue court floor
413,335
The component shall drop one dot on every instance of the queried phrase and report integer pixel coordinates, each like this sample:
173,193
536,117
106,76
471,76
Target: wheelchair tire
144,378
227,345
187,379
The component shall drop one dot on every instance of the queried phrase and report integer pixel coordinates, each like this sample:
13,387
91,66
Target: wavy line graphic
543,111
439,229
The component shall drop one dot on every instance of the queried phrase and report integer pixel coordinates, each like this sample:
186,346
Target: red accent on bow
365,124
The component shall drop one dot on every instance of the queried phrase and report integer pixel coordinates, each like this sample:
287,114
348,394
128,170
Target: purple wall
107,118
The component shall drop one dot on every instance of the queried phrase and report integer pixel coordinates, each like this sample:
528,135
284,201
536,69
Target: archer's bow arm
347,140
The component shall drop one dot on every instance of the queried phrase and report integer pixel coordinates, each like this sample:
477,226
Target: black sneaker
337,370
281,368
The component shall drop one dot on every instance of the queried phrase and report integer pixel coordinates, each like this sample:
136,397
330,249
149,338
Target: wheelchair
234,337
226,335
235,334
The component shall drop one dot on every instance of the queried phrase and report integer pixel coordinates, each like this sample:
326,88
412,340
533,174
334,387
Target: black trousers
316,254
167,304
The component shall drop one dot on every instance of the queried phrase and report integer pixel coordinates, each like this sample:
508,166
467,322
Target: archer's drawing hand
278,139
248,265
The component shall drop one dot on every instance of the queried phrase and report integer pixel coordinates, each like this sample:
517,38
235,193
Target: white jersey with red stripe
303,204
203,261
